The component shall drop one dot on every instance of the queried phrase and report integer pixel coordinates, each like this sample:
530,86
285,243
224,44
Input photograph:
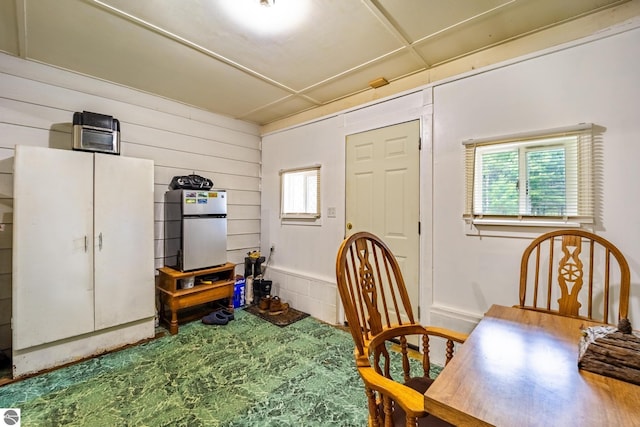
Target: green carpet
247,373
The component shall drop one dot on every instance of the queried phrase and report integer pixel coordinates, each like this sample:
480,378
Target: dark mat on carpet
290,316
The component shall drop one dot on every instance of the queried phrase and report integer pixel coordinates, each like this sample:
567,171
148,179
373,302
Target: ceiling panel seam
178,39
393,28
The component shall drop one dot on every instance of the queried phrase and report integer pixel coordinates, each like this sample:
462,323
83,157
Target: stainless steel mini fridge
195,229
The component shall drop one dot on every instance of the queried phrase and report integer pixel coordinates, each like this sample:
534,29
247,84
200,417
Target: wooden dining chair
382,324
575,273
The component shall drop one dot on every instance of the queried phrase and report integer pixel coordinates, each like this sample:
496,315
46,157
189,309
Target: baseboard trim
454,318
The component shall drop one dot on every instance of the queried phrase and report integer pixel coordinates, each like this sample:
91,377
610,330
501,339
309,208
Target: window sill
505,227
301,221
526,222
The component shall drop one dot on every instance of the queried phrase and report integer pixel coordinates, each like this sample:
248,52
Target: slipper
227,313
215,318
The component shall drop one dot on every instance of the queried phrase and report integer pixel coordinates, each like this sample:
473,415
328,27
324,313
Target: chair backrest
574,273
371,287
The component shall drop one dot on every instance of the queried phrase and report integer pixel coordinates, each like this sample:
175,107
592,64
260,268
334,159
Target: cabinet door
124,240
52,250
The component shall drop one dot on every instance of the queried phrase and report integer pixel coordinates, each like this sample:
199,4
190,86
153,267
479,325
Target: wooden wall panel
240,197
64,99
6,160
6,210
193,144
36,108
249,226
6,185
19,134
192,161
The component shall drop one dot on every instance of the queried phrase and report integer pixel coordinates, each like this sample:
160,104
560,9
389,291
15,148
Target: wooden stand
170,295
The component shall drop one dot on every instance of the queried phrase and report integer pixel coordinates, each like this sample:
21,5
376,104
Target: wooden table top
520,368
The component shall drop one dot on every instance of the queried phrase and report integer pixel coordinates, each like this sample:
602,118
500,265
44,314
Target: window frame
300,216
578,177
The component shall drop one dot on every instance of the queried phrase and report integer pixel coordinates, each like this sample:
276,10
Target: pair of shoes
277,306
218,317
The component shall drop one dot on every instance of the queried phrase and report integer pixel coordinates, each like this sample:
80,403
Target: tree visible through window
541,176
499,193
546,182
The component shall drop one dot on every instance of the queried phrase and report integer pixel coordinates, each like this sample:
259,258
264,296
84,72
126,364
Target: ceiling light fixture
265,17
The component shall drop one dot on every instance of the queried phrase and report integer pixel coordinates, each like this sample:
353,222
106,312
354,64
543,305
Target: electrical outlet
331,212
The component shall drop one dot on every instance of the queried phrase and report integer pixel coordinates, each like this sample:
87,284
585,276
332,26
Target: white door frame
402,109
403,139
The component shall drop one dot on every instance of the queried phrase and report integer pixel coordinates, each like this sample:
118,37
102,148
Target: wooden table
520,368
176,299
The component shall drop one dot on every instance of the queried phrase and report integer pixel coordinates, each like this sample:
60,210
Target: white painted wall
302,266
462,275
595,82
36,108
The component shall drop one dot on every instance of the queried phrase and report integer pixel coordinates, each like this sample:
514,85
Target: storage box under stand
239,292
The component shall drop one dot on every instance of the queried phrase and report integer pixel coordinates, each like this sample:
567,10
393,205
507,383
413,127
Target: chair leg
374,417
412,422
387,404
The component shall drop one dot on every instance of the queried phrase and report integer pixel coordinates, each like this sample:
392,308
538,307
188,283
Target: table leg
173,325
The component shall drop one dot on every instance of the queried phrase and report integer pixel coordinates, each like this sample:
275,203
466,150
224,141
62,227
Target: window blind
533,175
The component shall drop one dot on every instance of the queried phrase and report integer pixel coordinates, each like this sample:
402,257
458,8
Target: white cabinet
52,248
83,260
124,269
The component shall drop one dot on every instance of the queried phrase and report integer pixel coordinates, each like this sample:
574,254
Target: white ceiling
197,52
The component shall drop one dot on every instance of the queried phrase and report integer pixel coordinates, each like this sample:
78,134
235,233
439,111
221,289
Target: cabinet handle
86,243
100,241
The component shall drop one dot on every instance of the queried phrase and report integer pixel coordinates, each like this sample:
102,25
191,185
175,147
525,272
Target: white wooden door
382,194
124,240
52,250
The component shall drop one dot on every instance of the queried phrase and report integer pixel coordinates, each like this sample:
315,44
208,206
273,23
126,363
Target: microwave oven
96,132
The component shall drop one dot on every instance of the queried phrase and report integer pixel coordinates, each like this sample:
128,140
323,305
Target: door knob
349,226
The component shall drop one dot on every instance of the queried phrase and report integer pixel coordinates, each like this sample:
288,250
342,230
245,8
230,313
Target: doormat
284,319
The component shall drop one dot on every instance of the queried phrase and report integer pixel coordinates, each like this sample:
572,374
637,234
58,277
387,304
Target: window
534,178
300,193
